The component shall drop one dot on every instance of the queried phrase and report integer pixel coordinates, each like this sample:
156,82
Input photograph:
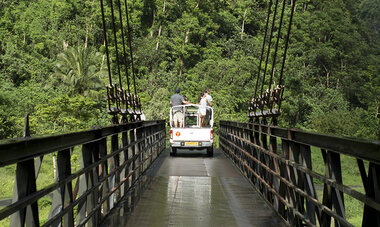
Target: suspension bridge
261,175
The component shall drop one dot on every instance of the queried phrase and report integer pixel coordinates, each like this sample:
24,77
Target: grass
7,176
350,177
45,178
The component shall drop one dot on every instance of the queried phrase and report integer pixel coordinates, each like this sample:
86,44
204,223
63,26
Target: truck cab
193,135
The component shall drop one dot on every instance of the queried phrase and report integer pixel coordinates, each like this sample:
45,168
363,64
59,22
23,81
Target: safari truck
193,135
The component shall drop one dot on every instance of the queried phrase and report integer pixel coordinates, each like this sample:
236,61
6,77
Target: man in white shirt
208,97
209,103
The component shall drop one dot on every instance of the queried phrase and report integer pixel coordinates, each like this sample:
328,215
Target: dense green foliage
52,61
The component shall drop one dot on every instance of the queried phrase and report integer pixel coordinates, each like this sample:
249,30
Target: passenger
202,109
208,97
199,98
209,103
177,100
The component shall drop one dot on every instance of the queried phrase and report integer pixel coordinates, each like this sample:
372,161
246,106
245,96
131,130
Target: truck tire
210,151
173,151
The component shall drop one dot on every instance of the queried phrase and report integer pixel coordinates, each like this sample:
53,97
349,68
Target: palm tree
79,69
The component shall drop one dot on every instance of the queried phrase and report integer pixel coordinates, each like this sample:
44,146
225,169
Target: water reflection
197,191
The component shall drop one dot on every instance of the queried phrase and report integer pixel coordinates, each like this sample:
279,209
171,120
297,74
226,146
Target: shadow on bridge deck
195,190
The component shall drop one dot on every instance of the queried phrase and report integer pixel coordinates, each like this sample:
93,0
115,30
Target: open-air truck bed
192,136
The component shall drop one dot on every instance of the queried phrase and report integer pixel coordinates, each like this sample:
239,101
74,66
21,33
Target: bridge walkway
192,189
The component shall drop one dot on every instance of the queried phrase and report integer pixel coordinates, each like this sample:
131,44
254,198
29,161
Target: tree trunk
337,84
158,37
327,76
152,27
242,25
64,45
328,79
186,38
88,19
183,46
86,38
103,58
180,65
160,28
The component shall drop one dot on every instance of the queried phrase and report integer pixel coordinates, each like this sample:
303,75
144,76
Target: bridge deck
195,190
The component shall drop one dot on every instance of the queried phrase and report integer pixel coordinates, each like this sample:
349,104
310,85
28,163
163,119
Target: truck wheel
173,151
210,151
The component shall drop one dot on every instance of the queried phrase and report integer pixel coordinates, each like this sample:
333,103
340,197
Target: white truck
193,135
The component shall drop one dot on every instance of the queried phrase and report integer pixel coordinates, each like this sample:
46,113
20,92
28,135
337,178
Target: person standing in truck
202,109
209,103
177,100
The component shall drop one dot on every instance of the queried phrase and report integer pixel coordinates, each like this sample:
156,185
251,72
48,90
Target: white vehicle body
192,135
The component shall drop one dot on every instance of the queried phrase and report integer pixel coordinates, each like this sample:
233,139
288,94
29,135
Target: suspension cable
130,46
269,47
263,47
124,51
286,48
276,48
116,48
273,96
287,41
106,43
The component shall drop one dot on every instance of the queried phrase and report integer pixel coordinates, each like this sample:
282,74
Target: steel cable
124,51
130,46
276,48
263,47
286,47
287,41
116,48
106,42
269,46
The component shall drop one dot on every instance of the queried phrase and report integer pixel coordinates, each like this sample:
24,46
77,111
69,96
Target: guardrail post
152,139
283,189
308,183
263,159
63,196
114,163
332,196
256,154
288,172
103,171
371,217
296,178
132,149
25,184
141,136
252,152
273,165
245,135
124,173
239,143
87,181
139,146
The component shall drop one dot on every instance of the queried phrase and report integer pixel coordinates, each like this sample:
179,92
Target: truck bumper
182,144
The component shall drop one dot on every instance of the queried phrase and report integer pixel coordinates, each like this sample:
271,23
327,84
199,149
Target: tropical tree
80,70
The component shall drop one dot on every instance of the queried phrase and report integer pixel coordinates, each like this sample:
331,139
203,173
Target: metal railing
112,160
279,163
